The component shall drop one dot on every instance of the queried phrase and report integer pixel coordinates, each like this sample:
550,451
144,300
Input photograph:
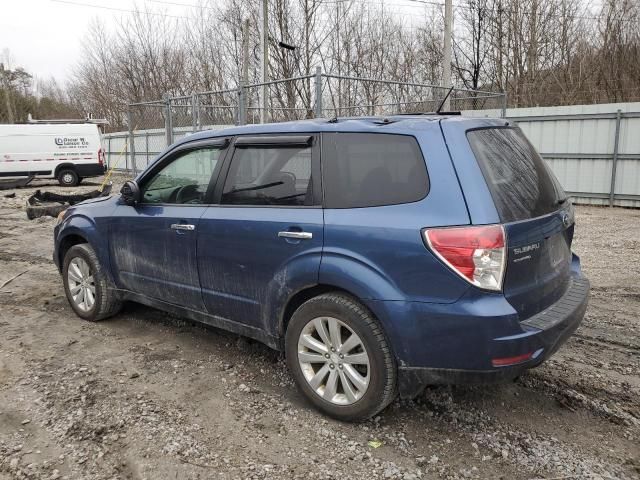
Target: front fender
86,228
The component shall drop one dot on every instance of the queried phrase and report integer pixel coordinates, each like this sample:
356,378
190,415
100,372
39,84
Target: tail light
100,157
477,254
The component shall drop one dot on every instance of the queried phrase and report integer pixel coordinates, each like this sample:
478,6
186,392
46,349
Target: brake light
477,254
100,157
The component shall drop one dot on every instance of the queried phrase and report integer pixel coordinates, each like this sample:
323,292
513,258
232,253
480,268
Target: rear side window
371,169
521,184
269,176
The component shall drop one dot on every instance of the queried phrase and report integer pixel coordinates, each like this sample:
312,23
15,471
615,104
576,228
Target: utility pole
245,53
264,48
244,75
446,62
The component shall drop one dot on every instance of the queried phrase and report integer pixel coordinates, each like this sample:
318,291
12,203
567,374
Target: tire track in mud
24,257
601,341
531,450
620,408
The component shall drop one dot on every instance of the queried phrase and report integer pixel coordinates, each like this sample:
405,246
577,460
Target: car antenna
444,100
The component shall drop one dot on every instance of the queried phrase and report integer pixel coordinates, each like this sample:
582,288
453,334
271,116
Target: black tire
68,177
106,301
383,371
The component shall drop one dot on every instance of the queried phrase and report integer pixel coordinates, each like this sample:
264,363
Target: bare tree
540,51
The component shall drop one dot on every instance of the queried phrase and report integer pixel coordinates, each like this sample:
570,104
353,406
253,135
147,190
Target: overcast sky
45,37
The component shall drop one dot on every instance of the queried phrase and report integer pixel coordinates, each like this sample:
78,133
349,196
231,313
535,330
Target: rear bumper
90,170
451,348
545,333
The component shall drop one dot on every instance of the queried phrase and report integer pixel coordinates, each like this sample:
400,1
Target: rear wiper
562,200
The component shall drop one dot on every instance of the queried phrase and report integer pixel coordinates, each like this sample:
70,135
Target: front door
264,240
153,245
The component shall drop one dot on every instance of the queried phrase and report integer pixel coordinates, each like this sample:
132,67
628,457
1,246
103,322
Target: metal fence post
132,141
109,152
318,84
195,112
168,121
504,104
146,146
616,142
242,107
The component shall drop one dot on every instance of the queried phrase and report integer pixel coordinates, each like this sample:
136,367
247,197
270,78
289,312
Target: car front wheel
86,285
340,358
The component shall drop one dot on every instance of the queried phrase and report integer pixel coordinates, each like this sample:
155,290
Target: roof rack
88,119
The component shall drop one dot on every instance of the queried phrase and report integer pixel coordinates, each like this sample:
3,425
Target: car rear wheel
68,178
340,358
86,285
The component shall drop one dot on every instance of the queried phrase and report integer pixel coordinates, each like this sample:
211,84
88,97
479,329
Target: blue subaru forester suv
380,254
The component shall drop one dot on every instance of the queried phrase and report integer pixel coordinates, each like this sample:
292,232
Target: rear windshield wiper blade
562,200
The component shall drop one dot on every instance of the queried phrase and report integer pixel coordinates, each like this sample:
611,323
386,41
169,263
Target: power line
421,2
201,7
157,14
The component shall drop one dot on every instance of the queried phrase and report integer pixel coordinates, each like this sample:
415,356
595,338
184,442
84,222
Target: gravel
146,395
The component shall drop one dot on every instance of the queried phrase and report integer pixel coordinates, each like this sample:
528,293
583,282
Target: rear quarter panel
377,252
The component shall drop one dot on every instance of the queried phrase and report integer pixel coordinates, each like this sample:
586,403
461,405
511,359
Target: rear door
264,239
536,213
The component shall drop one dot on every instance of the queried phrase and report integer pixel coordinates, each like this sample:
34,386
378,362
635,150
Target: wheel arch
64,166
307,293
68,241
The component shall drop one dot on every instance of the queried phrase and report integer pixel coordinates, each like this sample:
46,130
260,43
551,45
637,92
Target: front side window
269,176
372,169
184,180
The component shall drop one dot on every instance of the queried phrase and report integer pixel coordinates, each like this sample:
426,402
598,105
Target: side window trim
219,142
272,141
312,139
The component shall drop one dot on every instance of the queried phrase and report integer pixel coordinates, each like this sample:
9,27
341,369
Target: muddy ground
148,396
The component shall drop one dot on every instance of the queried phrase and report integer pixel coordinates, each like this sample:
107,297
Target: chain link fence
155,125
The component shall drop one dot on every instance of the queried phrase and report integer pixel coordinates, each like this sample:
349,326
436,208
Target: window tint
521,184
269,176
185,179
370,169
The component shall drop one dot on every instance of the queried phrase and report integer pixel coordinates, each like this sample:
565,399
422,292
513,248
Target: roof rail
431,113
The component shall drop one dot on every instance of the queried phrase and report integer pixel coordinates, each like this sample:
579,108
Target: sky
45,36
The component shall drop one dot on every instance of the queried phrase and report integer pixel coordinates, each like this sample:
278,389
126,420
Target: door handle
296,235
182,226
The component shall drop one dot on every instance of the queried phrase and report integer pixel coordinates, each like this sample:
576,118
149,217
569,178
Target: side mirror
130,193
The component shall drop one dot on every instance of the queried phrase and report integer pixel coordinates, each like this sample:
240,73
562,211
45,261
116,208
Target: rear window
370,169
521,184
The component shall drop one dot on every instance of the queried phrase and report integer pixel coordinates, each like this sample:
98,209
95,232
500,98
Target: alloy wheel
334,360
81,284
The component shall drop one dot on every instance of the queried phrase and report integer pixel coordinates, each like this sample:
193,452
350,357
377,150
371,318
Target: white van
68,152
